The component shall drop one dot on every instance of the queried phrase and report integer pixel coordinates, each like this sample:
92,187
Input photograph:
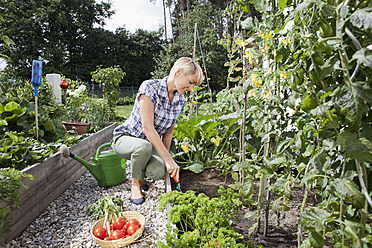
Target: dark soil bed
285,235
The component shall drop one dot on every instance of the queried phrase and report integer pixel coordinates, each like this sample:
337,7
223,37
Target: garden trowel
178,184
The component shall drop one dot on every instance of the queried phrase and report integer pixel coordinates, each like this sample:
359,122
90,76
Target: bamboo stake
36,119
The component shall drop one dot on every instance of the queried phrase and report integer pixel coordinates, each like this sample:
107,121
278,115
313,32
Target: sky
135,14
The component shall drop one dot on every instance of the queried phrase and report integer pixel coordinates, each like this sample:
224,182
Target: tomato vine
305,67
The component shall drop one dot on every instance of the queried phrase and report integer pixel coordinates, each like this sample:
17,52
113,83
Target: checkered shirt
165,113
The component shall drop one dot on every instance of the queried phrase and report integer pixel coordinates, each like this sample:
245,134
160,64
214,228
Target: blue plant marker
37,67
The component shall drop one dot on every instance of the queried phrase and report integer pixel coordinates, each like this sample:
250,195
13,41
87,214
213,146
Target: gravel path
65,223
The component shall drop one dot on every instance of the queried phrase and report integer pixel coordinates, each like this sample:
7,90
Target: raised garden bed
51,178
285,235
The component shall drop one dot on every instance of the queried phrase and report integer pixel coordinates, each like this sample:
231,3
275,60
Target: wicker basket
128,215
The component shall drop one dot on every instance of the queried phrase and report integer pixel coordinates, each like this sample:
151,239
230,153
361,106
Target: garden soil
284,235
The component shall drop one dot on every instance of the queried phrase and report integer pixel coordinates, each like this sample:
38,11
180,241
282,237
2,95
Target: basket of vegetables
114,227
125,230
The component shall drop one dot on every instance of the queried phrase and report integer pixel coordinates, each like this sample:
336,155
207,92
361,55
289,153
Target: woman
145,137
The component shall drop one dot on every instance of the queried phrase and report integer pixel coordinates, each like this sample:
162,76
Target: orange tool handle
177,181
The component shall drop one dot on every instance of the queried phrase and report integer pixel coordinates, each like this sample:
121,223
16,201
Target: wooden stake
36,119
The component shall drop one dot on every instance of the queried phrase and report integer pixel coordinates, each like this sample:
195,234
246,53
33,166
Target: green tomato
325,29
318,58
297,78
326,48
330,2
313,75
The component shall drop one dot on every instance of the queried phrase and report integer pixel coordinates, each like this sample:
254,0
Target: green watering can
108,167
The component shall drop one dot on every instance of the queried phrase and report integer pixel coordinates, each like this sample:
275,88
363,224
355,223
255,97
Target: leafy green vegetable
107,206
201,221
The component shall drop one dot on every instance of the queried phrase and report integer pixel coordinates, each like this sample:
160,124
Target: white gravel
65,223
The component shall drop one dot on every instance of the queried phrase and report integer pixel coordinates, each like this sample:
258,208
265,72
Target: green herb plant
11,181
199,221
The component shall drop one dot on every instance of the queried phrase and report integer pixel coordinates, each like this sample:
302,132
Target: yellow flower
213,140
217,143
258,82
283,74
185,148
270,35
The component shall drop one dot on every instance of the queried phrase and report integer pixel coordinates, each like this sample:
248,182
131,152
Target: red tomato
100,233
134,222
112,227
117,234
107,239
132,229
119,223
124,231
126,226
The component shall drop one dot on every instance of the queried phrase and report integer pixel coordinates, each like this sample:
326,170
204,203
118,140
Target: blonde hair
188,66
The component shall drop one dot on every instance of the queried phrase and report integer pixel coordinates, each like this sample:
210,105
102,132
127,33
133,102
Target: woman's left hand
173,169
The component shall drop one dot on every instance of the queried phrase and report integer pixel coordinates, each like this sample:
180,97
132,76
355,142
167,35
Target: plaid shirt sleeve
165,112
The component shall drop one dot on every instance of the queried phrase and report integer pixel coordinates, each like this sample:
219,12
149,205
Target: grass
124,111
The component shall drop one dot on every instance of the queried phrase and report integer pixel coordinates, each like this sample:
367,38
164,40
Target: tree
49,30
209,17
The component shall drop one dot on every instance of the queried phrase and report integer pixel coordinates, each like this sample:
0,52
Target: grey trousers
144,159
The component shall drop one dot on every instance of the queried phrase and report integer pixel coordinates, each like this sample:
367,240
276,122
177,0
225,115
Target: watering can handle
100,148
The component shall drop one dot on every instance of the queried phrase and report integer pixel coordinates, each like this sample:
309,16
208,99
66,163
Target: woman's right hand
173,169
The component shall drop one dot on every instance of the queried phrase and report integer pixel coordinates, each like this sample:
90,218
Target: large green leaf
261,5
283,145
316,239
350,190
364,57
354,103
362,18
314,219
196,167
356,148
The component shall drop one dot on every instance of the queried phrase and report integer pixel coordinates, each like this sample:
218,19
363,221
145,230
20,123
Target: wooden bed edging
51,178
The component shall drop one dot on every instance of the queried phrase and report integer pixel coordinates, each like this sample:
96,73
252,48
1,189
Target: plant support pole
36,120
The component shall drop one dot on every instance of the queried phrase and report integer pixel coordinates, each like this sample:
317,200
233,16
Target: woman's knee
155,170
144,149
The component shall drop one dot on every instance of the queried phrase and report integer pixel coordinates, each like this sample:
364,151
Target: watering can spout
92,168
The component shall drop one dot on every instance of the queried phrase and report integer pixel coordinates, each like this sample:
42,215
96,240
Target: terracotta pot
78,127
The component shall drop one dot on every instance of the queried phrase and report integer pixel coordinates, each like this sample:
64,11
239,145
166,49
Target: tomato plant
314,125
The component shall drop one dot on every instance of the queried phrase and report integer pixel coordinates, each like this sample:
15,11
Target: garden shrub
10,184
